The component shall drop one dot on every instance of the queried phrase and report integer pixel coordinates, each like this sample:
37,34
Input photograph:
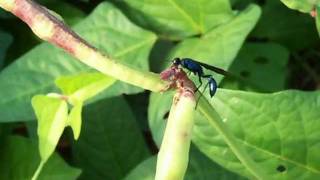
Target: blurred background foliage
116,142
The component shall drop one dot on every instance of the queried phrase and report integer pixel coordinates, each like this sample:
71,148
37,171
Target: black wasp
196,68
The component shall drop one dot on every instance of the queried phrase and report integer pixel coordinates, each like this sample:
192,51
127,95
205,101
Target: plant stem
37,173
173,157
215,120
49,28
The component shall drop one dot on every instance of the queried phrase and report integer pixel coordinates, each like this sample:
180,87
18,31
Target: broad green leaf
146,170
200,168
74,119
52,114
203,168
139,105
220,46
5,41
177,19
279,131
110,144
261,119
159,53
19,159
301,5
71,14
262,66
34,73
83,86
294,30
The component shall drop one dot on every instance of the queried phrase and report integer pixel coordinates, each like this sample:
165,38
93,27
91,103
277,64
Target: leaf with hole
279,131
258,64
200,168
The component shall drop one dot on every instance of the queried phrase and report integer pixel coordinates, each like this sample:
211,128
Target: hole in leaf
166,115
197,35
261,60
244,73
281,168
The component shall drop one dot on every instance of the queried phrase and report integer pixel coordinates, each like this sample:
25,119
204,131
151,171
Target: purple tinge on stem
173,156
178,79
32,14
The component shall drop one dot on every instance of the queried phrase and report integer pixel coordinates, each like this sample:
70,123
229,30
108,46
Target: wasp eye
176,61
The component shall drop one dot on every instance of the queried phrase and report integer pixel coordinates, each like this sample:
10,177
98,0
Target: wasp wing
215,69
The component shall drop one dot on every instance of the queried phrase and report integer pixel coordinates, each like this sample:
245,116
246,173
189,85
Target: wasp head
176,61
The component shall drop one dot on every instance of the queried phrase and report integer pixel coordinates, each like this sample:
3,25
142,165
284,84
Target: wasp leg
199,84
201,94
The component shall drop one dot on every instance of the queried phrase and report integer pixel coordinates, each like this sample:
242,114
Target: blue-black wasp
196,68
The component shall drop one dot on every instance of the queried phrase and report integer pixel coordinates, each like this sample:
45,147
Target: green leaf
259,64
83,86
180,18
35,72
74,119
279,131
318,18
301,5
111,143
262,119
146,170
19,158
200,168
5,41
71,15
296,31
52,114
220,46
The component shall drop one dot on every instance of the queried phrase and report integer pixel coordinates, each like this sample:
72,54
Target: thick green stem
49,28
173,156
215,120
